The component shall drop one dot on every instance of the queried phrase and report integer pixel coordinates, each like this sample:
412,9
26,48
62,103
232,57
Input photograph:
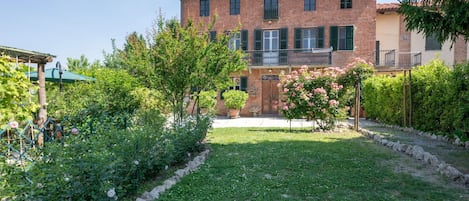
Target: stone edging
418,153
191,166
432,136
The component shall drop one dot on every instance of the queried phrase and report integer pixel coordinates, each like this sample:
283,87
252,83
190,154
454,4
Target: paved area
273,121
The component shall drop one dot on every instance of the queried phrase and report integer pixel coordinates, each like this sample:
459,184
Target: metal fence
395,59
290,57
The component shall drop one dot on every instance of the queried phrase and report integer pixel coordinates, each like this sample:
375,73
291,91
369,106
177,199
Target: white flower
111,192
136,162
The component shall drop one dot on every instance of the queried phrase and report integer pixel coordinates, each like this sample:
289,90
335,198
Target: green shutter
334,37
298,38
349,37
257,56
244,40
283,46
213,35
320,37
244,83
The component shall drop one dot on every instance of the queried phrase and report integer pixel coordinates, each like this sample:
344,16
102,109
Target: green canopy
53,75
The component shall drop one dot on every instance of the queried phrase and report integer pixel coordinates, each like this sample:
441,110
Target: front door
271,46
270,93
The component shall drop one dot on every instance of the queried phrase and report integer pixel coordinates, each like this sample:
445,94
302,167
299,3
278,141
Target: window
204,7
342,37
345,4
235,41
234,7
310,5
431,43
240,83
309,38
270,9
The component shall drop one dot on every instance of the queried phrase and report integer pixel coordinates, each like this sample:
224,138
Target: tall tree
444,19
77,64
184,58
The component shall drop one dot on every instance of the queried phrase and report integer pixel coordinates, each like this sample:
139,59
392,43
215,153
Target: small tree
184,58
15,101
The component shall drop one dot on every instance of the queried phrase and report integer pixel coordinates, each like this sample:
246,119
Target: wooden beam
42,94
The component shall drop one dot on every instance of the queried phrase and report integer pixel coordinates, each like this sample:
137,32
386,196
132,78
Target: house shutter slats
297,38
244,40
349,38
257,56
283,46
334,37
244,83
320,37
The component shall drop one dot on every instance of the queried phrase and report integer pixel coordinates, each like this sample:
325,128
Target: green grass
273,164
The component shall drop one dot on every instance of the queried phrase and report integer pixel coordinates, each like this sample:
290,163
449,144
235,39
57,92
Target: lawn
274,164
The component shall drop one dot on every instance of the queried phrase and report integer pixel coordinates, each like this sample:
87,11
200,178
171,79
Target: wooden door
270,93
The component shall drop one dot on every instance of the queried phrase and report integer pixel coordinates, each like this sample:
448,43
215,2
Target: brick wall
460,51
292,15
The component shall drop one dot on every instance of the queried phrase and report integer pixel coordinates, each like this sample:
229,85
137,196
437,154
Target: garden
108,137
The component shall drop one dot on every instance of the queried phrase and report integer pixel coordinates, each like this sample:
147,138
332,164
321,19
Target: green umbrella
53,75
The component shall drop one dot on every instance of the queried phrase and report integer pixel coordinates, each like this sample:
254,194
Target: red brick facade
291,15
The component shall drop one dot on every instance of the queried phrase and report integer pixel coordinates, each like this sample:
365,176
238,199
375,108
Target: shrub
235,99
104,166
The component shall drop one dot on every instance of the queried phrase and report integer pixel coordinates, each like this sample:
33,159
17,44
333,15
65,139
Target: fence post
357,104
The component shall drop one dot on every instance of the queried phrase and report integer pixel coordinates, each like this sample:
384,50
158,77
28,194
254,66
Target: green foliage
440,98
208,100
235,99
15,101
90,167
184,58
445,19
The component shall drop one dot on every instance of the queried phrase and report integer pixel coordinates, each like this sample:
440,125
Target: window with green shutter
431,43
204,8
342,37
345,4
213,35
309,38
270,9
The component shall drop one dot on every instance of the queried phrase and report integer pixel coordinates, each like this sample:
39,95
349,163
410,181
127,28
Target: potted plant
207,101
235,101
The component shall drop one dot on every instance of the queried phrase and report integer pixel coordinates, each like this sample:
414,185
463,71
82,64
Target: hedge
440,99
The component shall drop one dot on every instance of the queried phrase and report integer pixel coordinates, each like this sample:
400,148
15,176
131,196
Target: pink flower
333,103
14,124
292,105
336,86
74,130
286,90
319,91
311,104
285,108
279,85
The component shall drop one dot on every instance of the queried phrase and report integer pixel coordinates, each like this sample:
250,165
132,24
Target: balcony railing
394,59
290,57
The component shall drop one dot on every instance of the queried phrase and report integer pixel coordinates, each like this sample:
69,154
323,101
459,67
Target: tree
183,59
15,102
77,64
443,19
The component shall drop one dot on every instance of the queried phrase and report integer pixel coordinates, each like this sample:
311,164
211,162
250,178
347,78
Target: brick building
280,35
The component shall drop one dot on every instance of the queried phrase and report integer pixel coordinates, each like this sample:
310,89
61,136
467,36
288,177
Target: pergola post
42,94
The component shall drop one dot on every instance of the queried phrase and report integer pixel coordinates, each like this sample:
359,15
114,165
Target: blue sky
70,28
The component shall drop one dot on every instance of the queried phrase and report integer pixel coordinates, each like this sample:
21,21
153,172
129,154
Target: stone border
432,136
191,166
418,153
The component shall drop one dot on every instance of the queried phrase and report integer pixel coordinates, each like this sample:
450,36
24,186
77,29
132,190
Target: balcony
394,60
289,57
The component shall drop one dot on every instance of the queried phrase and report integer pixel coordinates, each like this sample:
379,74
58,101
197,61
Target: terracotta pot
233,113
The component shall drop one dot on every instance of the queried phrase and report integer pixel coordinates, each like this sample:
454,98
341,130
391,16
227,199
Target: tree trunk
42,95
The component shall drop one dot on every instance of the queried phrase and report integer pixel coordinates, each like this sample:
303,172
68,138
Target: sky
71,28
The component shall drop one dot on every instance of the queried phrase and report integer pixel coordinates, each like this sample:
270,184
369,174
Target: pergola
41,59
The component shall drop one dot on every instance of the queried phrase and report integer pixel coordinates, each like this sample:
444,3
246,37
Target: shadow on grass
282,130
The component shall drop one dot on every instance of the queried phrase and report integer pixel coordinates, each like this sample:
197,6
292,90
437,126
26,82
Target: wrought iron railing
395,59
290,57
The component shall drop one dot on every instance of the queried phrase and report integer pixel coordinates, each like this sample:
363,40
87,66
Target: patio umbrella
53,75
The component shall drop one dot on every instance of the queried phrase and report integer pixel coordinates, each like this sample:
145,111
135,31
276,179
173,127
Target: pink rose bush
313,95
